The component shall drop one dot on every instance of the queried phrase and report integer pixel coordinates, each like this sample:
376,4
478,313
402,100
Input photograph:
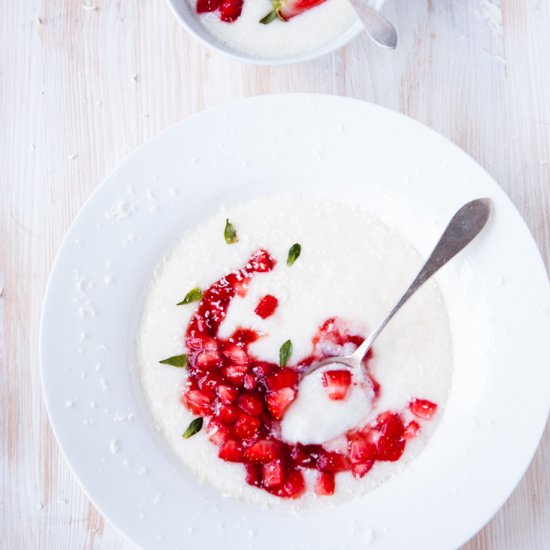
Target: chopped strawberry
244,336
198,401
411,430
286,9
227,394
230,10
246,426
361,470
249,381
227,413
360,448
262,369
337,383
207,360
253,474
251,403
293,487
209,381
204,6
263,451
235,354
217,432
325,484
235,373
332,462
273,473
282,378
422,408
279,401
261,261
266,306
305,456
231,451
392,442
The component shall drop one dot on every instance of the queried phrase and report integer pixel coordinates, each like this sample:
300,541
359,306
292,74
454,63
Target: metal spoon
380,30
462,229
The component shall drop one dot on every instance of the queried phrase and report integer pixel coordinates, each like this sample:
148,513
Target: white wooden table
84,82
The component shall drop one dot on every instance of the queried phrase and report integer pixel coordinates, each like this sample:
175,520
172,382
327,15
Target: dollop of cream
315,418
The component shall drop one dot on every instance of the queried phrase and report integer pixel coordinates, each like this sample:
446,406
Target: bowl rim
190,23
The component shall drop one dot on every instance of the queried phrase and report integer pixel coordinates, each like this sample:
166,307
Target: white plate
496,292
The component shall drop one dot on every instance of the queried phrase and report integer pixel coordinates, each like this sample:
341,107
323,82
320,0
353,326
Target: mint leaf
284,353
176,361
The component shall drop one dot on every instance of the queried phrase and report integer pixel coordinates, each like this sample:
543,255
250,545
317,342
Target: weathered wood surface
83,83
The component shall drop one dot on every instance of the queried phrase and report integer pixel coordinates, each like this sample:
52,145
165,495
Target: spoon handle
379,29
462,229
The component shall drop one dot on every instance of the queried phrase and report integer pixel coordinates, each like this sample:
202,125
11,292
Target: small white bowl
188,18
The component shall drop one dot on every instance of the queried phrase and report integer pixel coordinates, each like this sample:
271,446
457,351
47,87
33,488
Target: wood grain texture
83,83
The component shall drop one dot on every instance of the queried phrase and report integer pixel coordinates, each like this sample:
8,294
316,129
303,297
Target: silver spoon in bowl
380,30
465,225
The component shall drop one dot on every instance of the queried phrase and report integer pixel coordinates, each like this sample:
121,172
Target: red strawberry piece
261,261
251,403
273,474
231,451
227,394
249,381
337,383
282,378
204,6
332,462
253,474
411,430
392,442
262,369
198,401
209,381
246,426
264,451
286,9
235,373
325,484
207,360
227,413
279,401
235,354
305,455
360,470
230,10
422,408
244,336
360,448
266,306
293,487
217,432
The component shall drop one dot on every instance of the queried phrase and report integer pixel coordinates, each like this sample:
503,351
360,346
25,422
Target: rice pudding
299,28
264,288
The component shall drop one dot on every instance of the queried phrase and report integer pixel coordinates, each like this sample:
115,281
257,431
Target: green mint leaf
176,361
193,428
284,353
230,233
293,253
193,295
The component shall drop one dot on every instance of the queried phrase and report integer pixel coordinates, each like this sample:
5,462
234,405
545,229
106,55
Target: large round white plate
496,292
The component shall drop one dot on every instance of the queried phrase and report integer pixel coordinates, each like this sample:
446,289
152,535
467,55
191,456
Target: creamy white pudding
352,267
304,33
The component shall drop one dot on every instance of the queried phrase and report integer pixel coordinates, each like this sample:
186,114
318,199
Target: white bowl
188,18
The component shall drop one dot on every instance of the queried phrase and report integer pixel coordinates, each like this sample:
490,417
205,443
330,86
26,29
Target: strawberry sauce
245,399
